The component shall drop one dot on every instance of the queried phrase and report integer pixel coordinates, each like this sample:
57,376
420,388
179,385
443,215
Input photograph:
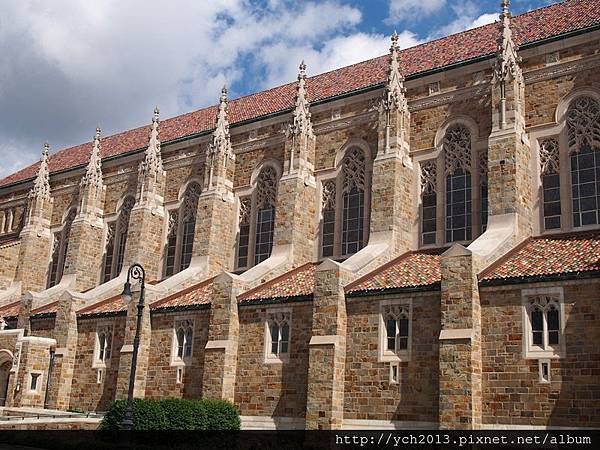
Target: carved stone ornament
266,188
583,123
245,209
428,177
549,157
302,119
353,170
93,174
457,149
328,196
152,164
41,184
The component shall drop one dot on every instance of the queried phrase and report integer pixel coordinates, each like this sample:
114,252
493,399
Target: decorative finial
152,164
302,71
156,114
41,184
223,94
394,42
302,120
219,151
505,4
93,175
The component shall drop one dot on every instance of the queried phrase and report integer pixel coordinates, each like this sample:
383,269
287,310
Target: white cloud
401,11
67,65
467,15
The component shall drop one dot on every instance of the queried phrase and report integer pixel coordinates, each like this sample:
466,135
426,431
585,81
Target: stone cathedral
408,242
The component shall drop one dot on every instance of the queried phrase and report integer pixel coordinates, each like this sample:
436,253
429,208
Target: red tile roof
530,27
410,270
299,282
559,256
50,308
111,305
7,240
10,310
200,294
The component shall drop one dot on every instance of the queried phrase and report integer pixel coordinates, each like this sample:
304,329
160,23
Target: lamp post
136,272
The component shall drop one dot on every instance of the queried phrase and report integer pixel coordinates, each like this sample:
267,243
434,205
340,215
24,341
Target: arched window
583,132
103,346
428,202
397,332
257,220
544,322
183,340
59,249
278,335
116,240
457,157
550,173
344,226
182,225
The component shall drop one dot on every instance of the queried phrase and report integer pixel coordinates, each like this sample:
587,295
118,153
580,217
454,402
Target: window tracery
59,249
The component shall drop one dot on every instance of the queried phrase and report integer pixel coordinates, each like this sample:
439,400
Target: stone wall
368,393
9,258
512,392
273,389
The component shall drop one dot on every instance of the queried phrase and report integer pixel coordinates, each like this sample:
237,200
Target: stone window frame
531,351
98,363
117,227
178,214
12,219
331,189
60,242
183,323
279,315
396,307
559,132
248,208
38,381
477,162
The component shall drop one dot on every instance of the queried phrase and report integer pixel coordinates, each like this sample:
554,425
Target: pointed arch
60,243
116,239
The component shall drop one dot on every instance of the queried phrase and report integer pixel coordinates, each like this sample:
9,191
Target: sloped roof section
537,25
110,306
547,257
46,310
192,297
10,311
299,282
412,270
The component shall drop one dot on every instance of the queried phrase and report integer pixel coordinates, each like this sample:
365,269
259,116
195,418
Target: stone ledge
325,340
465,333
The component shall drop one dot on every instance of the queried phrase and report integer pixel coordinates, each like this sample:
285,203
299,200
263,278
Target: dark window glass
429,217
585,178
537,327
187,243
403,334
265,226
391,334
171,249
484,206
274,338
243,245
328,232
553,327
285,337
458,206
353,220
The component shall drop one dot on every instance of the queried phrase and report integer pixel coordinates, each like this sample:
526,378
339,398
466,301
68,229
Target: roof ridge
268,284
185,291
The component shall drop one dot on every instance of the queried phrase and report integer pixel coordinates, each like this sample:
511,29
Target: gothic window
11,220
277,339
583,133
395,332
102,353
115,241
457,157
544,322
183,339
257,220
181,229
550,173
428,202
59,249
344,226
483,189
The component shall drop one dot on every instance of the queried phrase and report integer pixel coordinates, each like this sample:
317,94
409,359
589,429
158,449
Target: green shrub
174,414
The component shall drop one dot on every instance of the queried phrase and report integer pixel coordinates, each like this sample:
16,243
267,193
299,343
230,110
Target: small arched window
184,338
116,240
59,249
344,222
457,157
103,346
397,332
583,131
550,173
257,220
182,226
279,330
544,322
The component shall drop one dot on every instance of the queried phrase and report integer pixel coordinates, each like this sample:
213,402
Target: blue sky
67,66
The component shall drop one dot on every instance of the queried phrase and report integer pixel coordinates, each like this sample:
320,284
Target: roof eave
567,276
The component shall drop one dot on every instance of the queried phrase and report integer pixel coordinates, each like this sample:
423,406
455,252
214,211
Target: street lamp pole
136,272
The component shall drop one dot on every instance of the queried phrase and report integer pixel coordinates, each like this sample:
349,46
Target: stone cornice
477,90
324,128
561,69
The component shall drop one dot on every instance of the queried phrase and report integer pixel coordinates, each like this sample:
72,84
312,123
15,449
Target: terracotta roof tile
533,26
10,310
111,305
410,270
50,308
200,294
298,282
544,256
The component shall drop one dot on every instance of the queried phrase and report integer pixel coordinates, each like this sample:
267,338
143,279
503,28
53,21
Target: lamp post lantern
135,272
